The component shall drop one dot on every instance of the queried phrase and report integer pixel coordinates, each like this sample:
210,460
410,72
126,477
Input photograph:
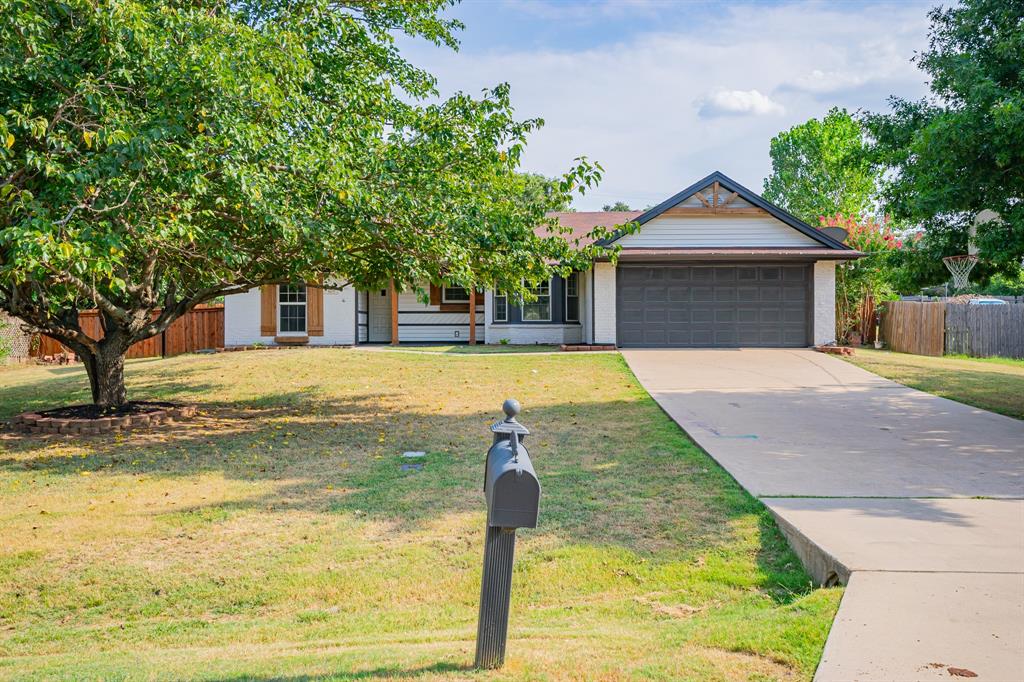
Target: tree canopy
617,206
157,154
961,150
819,169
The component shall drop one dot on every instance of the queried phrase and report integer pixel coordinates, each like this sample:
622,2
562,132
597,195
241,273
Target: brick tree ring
139,414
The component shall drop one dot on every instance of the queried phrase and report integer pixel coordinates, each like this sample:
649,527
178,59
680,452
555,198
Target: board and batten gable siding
242,319
668,231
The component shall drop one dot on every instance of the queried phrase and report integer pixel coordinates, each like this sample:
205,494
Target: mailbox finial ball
511,408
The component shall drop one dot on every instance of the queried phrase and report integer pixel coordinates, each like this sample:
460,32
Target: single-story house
713,265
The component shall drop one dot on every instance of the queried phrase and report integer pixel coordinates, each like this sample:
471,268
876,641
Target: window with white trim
572,298
292,308
454,295
539,310
500,307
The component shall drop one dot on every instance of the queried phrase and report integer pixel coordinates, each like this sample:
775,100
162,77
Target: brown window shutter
268,310
314,310
435,295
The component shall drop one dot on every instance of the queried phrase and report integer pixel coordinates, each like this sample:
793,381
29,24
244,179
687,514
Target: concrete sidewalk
875,485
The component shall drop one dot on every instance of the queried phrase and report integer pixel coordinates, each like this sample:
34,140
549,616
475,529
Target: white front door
379,312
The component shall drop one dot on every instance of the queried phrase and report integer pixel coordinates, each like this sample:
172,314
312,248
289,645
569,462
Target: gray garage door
725,306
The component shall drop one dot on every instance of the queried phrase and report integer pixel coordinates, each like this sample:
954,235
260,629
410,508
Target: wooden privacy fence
912,327
936,328
985,330
200,328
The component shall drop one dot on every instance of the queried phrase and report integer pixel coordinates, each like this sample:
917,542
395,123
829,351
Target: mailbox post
513,499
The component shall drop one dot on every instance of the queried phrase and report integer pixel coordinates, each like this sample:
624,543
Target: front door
379,330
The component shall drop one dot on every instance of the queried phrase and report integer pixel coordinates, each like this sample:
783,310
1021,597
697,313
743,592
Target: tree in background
157,155
540,189
819,169
961,150
617,206
862,282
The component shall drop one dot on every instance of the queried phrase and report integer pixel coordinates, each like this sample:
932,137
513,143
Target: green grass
480,349
995,384
276,537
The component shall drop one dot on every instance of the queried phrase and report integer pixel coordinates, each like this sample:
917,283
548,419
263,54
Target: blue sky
663,92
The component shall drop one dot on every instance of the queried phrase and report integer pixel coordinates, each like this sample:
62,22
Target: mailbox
511,487
512,493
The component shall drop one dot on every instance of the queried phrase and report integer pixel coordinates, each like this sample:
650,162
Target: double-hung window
500,307
292,308
572,298
538,310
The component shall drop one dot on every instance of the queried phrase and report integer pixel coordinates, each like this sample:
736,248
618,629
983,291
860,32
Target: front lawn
278,538
995,384
479,349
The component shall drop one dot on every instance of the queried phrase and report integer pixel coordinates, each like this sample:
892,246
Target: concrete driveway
914,501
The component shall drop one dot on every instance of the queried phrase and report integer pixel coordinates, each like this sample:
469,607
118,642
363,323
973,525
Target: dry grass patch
278,537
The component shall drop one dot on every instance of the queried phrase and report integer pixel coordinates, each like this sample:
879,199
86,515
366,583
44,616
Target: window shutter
268,310
314,310
435,295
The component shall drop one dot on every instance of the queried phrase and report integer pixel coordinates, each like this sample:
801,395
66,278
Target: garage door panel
734,305
748,315
702,294
794,315
793,294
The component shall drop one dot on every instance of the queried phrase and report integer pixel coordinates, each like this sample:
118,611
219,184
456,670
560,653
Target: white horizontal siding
421,322
455,333
710,231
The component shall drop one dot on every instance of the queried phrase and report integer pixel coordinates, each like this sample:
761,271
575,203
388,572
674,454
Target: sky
663,92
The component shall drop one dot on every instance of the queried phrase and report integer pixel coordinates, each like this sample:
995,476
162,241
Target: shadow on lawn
388,673
614,473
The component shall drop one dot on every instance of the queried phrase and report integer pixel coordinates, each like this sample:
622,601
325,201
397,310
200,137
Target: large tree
961,150
158,154
819,169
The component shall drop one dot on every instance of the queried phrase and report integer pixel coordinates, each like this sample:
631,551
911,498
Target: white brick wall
824,301
242,319
529,334
604,303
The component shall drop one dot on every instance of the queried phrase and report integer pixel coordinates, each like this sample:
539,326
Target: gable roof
731,185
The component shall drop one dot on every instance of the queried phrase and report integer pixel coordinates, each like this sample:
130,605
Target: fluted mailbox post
513,499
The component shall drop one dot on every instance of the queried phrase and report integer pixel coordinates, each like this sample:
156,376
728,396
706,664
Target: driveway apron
914,501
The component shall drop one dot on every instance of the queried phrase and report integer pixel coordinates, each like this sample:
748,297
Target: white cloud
630,103
737,102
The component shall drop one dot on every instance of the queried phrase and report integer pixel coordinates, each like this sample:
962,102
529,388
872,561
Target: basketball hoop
960,267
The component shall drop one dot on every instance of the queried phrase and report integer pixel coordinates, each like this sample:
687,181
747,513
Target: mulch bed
93,420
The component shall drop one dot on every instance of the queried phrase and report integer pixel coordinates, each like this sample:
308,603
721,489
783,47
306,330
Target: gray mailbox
512,492
510,485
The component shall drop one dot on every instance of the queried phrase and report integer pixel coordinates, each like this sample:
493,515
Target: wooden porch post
472,316
393,292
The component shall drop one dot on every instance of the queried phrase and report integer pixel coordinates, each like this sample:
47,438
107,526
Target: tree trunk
106,374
